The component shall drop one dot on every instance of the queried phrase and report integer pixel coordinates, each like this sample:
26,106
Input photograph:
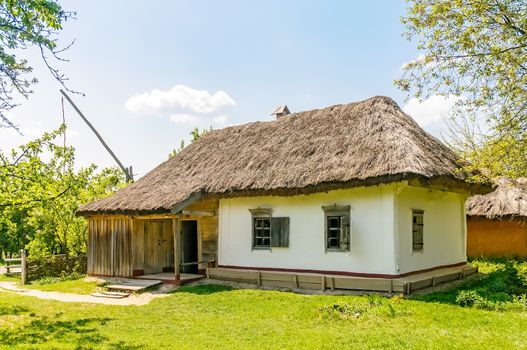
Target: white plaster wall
444,228
372,231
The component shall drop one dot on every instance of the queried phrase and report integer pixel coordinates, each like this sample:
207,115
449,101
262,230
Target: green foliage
343,310
40,191
195,134
376,306
467,298
502,287
24,24
476,51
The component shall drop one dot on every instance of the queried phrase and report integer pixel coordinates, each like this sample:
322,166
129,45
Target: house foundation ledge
322,280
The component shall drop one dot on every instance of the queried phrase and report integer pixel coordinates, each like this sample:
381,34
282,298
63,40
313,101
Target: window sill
336,250
261,248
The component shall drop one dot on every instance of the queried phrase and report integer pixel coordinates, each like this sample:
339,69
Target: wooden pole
22,266
127,172
176,227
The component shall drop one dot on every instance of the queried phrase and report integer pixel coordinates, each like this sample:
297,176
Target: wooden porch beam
186,202
197,213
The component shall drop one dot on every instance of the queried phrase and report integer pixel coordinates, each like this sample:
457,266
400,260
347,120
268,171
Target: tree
40,191
475,50
195,134
24,24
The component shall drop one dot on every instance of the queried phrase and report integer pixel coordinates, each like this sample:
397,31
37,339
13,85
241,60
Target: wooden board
152,238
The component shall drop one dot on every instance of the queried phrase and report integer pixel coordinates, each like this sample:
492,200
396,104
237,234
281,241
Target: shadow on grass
203,289
12,310
500,285
83,333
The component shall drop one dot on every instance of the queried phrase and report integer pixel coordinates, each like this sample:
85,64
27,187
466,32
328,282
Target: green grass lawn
65,285
79,286
9,278
217,317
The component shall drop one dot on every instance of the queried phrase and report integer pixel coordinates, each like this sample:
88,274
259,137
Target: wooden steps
133,285
125,288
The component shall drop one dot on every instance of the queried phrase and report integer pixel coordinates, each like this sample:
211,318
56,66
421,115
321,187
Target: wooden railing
17,263
211,259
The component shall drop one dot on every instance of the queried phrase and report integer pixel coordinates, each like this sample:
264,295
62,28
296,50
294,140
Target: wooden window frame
422,243
337,211
256,214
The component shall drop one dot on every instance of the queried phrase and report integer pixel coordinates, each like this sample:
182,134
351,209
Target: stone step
112,295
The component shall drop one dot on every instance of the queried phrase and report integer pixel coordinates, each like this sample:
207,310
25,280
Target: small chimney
281,111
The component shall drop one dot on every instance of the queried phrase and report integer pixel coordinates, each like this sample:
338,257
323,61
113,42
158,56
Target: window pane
417,230
334,222
334,230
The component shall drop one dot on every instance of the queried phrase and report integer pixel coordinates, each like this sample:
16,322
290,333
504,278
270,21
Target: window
269,231
262,232
417,230
337,227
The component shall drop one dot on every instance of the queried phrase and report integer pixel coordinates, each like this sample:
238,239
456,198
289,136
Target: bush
467,298
55,266
521,272
501,286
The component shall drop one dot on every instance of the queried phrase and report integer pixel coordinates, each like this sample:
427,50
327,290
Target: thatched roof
357,144
508,200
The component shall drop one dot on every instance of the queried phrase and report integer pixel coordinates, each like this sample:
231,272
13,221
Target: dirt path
138,299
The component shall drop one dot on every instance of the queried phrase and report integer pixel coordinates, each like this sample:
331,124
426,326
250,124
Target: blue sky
151,71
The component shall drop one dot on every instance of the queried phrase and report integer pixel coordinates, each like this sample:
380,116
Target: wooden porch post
23,267
176,229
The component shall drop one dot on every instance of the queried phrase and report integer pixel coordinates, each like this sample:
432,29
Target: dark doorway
190,246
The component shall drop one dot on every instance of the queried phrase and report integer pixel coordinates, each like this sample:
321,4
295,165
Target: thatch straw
357,144
509,200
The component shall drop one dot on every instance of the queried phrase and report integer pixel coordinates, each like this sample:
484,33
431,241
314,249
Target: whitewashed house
353,196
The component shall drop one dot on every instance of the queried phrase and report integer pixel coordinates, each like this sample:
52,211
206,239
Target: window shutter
280,232
346,232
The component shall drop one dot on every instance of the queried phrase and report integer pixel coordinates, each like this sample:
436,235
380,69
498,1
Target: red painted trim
341,273
433,268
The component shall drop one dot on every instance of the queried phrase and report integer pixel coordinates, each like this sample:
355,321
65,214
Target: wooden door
153,237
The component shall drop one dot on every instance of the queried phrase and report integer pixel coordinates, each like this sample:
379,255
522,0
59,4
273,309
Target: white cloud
184,118
179,99
221,119
431,110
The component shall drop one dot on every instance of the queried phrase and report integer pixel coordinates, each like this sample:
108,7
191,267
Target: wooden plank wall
118,245
109,246
122,257
138,244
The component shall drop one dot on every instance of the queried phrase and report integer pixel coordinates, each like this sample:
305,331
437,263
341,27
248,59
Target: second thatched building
497,222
